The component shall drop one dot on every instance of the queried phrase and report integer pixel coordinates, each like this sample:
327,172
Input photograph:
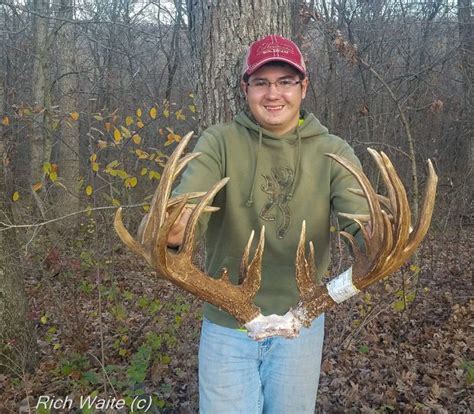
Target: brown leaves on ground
376,359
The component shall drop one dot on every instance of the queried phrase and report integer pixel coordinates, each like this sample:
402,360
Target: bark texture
17,339
69,145
220,32
41,141
466,36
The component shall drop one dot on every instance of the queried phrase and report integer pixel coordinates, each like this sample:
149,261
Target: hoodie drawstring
297,165
257,162
260,138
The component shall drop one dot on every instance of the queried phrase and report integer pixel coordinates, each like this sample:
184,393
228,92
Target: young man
279,176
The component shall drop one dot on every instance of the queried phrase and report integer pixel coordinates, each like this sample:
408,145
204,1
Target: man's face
275,108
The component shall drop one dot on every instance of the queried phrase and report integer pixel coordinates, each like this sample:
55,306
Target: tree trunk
41,134
69,146
466,36
17,339
220,33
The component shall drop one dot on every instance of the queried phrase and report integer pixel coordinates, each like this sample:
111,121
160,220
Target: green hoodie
276,182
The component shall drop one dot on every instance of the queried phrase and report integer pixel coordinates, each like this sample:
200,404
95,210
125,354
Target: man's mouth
274,108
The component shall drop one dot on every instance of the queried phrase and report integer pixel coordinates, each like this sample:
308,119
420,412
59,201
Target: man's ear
243,88
304,87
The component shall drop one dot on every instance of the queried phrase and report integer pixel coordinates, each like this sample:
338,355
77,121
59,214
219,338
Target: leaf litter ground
377,357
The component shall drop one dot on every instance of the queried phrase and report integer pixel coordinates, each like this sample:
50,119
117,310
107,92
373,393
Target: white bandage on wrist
341,287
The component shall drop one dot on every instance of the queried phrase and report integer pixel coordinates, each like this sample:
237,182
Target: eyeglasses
261,85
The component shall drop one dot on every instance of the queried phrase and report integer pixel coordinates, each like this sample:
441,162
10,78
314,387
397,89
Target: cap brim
299,68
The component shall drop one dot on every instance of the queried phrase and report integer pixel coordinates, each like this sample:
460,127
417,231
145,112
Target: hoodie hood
308,126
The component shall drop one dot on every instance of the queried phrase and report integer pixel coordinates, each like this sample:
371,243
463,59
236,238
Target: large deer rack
389,239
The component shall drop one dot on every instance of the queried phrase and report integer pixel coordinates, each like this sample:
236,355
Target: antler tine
384,201
402,219
126,237
184,161
244,263
305,267
188,240
251,281
159,203
424,218
392,199
375,211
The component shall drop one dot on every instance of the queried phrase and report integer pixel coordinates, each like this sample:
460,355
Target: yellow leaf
125,132
5,121
95,166
180,116
140,124
113,164
154,175
44,319
115,202
16,196
117,135
98,118
137,139
37,186
173,138
166,113
132,182
144,171
191,95
141,154
89,190
146,207
74,116
128,120
89,210
122,174
332,229
101,144
153,113
47,167
93,157
192,108
53,176
139,112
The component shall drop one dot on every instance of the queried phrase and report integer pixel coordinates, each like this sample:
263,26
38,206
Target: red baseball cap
273,48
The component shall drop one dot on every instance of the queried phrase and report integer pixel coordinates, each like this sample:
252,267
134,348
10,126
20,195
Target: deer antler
178,267
388,244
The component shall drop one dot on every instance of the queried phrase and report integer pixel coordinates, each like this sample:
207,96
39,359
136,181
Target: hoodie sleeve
202,172
342,200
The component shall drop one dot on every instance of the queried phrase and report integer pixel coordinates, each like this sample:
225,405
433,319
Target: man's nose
272,89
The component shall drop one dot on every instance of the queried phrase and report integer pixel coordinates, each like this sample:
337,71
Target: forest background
94,95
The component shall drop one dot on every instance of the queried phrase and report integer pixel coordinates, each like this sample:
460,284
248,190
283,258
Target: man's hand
176,234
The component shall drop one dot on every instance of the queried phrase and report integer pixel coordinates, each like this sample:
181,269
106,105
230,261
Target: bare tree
68,159
219,34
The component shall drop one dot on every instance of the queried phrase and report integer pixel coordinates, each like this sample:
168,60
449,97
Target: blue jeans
276,375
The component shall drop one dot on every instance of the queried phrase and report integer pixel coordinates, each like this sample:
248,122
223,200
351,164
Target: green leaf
399,305
363,349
